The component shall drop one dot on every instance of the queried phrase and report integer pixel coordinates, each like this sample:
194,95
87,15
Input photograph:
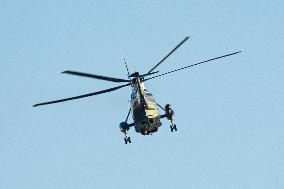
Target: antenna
126,67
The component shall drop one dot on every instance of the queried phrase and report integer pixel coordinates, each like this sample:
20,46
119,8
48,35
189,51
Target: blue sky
229,112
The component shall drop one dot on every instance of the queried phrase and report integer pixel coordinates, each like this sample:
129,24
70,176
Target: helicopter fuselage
144,109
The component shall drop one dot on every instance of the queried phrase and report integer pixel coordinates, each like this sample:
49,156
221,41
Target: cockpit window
149,97
149,94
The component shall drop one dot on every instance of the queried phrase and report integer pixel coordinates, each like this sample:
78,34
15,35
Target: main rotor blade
82,96
185,39
127,115
147,74
95,76
194,65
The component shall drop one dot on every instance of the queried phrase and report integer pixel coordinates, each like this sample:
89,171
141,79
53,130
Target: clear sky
230,113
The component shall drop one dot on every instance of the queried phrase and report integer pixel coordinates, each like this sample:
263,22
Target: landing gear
173,126
169,113
127,138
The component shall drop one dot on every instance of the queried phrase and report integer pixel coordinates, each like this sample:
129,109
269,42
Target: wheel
172,129
129,140
125,140
175,127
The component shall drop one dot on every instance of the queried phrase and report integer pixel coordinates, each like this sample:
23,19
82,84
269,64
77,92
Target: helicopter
143,106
